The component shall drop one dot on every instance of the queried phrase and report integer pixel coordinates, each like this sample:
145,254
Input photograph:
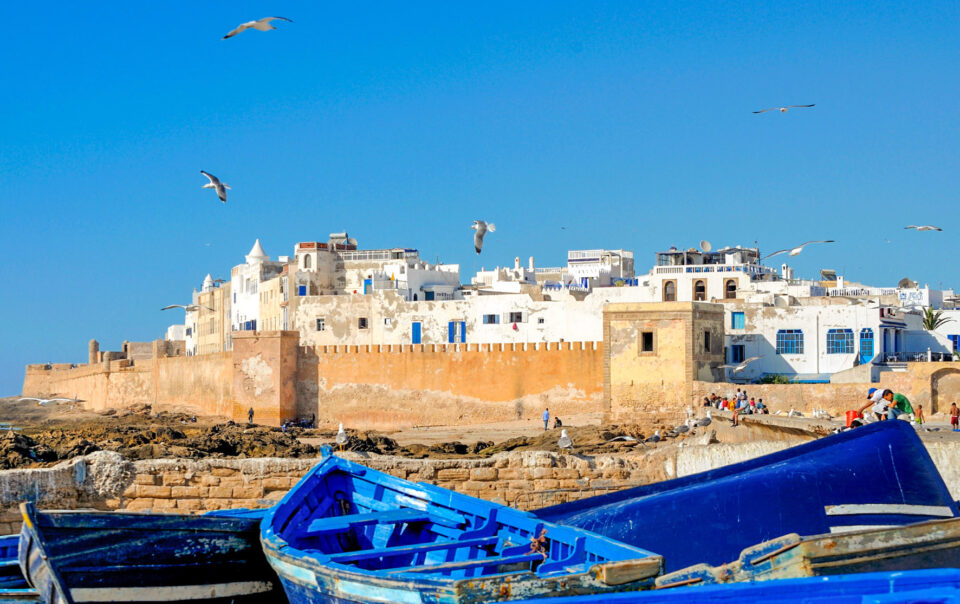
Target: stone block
209,481
173,479
483,474
146,479
164,504
113,504
546,484
222,472
144,503
187,492
190,505
160,492
232,481
220,492
541,473
217,504
457,474
247,492
510,473
130,491
280,482
566,473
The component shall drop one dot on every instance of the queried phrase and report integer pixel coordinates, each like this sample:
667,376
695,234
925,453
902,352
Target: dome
257,254
207,283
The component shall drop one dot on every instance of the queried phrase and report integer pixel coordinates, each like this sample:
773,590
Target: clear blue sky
628,123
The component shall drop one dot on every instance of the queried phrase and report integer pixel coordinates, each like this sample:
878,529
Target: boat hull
116,557
877,475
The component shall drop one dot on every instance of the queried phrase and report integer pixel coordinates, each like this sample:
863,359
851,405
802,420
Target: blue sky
628,123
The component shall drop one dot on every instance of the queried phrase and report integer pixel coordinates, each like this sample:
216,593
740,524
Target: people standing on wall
546,419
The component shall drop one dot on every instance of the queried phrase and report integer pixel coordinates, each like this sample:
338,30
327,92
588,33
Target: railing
550,269
917,357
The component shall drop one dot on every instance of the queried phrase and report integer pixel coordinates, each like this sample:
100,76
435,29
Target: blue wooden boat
349,534
924,545
130,557
879,475
13,585
940,586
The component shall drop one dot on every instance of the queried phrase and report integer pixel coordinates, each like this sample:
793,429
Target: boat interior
346,514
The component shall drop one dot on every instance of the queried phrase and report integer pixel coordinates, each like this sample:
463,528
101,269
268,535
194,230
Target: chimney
532,269
516,263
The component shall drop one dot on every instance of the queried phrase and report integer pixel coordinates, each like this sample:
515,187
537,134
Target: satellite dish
781,302
705,246
906,283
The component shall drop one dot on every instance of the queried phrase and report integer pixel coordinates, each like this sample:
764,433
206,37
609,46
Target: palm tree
932,319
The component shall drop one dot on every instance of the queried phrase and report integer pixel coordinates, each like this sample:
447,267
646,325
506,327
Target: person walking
918,416
250,416
546,419
954,417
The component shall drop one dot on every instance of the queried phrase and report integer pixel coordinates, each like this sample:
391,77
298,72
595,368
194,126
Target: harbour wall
525,479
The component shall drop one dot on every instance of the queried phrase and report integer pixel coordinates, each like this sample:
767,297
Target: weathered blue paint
347,533
938,585
130,557
13,585
711,517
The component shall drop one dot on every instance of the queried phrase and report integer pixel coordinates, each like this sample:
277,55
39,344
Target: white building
175,333
245,280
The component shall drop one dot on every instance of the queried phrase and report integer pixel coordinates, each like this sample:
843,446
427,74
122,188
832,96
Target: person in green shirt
897,404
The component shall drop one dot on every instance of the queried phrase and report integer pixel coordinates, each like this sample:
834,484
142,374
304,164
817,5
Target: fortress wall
204,383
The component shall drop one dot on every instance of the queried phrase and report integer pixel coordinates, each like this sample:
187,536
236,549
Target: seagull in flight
44,401
783,109
481,229
926,227
215,183
187,307
796,250
259,24
741,366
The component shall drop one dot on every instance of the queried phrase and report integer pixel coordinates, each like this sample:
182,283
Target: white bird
565,442
655,438
481,229
259,25
796,250
741,366
783,109
219,187
187,307
341,436
684,427
705,421
926,227
794,413
45,401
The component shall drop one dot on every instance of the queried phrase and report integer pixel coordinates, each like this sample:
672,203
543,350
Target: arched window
730,289
306,261
699,291
669,291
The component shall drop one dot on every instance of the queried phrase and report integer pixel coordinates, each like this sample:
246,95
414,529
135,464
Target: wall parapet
322,349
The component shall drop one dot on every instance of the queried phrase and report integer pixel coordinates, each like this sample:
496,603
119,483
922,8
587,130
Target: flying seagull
925,227
741,366
481,227
796,250
341,436
782,109
215,183
259,24
44,401
565,442
187,307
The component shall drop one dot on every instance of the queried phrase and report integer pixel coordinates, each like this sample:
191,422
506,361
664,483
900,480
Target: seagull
796,250
684,427
623,438
705,421
259,25
783,109
655,438
794,413
44,401
565,442
219,281
741,366
926,227
481,227
187,307
215,183
341,437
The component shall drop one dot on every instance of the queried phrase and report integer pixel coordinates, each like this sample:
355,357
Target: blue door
451,332
367,286
866,345
463,331
415,338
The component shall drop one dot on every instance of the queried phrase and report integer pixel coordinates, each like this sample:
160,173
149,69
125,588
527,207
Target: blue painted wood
937,585
155,557
711,517
10,575
347,533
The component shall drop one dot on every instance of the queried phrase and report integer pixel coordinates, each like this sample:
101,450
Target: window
956,341
737,320
362,323
306,261
790,341
491,319
516,317
736,353
669,291
699,290
840,341
456,332
301,290
320,324
387,321
646,341
730,289
189,331
706,341
540,321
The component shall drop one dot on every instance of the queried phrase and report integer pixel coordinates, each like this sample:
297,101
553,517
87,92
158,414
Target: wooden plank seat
442,516
339,524
447,566
417,548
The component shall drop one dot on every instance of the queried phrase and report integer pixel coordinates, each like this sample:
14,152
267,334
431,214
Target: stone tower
94,352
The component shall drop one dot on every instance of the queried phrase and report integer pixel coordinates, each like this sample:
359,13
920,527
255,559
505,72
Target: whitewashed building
245,280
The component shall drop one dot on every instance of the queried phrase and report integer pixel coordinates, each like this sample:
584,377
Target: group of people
887,404
739,402
546,420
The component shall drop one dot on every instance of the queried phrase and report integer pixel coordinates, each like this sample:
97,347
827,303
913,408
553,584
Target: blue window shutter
450,328
463,331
